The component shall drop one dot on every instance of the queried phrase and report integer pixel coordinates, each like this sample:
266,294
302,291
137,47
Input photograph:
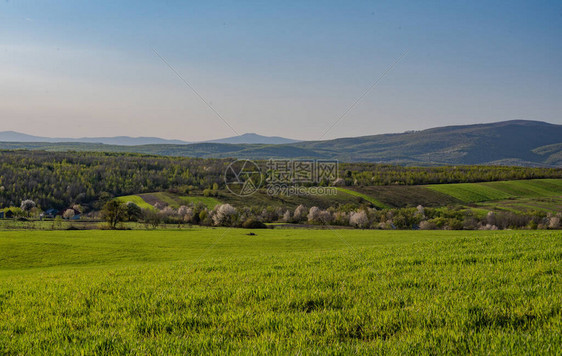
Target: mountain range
249,138
516,142
12,136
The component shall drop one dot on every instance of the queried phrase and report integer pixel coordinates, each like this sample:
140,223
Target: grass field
545,204
219,291
147,200
368,198
518,195
209,202
491,191
137,200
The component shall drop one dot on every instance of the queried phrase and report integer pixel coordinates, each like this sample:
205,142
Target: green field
220,291
147,200
137,200
368,198
545,204
435,195
490,191
516,196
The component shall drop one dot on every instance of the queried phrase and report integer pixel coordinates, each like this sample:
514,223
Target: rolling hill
253,138
247,138
12,136
518,142
511,142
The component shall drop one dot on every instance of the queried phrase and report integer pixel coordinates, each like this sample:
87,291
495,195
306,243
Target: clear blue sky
287,68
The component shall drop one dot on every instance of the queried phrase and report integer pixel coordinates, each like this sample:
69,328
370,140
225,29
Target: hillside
524,143
12,136
516,195
247,138
252,138
510,142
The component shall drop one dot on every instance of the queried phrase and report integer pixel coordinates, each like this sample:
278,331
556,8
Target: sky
300,69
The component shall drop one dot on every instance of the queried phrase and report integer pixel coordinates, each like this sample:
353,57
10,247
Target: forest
62,179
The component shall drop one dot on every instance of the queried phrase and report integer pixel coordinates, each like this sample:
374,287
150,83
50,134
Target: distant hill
248,138
252,138
12,136
518,142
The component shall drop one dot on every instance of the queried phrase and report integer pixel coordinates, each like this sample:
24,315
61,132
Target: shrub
252,223
427,225
186,213
325,217
152,218
134,212
454,224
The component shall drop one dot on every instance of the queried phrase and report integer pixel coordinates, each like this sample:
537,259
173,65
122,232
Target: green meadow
137,200
223,291
490,191
366,197
172,200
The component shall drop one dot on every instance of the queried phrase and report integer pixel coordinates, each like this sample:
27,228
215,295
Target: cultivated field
220,291
515,195
479,192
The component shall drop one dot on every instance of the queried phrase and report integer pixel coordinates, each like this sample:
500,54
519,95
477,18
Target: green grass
529,188
471,192
368,198
175,200
137,200
401,196
545,204
220,291
167,199
172,200
262,199
490,191
209,202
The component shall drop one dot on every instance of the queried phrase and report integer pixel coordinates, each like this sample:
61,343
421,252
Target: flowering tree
359,219
27,205
224,215
68,214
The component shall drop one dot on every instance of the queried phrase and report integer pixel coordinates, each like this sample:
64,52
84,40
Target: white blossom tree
313,214
224,214
359,219
68,214
300,213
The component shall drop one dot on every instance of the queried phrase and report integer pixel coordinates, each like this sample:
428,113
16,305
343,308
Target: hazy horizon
288,69
247,133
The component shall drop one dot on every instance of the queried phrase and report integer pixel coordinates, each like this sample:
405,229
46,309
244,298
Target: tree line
364,217
90,179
